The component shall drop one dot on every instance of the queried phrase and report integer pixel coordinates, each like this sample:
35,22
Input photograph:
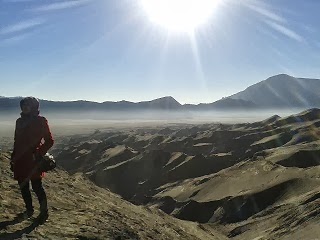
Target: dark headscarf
34,105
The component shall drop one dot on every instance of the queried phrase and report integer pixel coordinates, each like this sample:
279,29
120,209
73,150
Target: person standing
32,139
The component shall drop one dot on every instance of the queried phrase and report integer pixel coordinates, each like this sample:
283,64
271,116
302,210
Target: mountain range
280,91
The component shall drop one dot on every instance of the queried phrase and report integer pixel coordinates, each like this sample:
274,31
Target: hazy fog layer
69,123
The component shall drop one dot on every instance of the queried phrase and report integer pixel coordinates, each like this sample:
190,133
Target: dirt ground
246,180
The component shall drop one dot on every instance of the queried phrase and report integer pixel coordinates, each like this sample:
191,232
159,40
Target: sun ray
199,68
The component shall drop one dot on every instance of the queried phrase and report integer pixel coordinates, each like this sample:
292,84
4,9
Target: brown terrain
81,210
256,180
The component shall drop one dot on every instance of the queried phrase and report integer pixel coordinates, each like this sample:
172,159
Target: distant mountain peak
168,98
280,77
167,102
282,91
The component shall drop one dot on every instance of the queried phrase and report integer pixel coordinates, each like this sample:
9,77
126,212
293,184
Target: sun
179,15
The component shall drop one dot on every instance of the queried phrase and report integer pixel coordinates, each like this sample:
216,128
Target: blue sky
110,50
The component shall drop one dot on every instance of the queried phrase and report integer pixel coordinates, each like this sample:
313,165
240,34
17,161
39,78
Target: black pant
39,191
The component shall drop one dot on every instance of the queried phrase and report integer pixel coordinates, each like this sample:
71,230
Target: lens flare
179,15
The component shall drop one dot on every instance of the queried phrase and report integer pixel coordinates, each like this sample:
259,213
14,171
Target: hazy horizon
65,124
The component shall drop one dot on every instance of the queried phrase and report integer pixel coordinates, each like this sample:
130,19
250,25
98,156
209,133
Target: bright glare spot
179,15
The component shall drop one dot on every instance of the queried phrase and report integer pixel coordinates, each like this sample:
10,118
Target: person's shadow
18,233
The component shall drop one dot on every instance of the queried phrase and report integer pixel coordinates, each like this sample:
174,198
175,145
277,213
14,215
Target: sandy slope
81,210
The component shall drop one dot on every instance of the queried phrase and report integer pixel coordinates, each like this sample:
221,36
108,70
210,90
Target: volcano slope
252,181
81,210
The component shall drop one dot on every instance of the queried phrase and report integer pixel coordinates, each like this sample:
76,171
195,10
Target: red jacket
32,137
